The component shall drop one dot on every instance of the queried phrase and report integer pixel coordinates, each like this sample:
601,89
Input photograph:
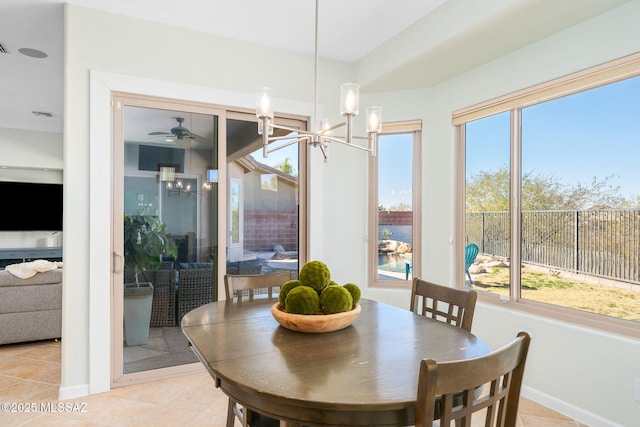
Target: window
559,178
394,206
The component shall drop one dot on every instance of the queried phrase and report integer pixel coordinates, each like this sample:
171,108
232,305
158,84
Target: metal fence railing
603,242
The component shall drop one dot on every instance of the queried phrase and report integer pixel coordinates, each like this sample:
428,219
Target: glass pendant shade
374,119
349,99
264,103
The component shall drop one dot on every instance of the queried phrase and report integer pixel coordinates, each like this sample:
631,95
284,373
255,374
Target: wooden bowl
314,323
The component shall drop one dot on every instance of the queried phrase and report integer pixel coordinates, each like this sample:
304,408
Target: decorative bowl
314,323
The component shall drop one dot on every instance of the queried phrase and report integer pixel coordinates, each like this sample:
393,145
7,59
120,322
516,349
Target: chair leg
233,412
231,415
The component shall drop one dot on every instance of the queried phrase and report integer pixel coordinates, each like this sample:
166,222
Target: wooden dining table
363,375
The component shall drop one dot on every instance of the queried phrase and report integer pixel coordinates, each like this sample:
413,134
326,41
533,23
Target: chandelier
323,135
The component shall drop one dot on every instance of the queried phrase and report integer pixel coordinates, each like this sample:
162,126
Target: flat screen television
29,206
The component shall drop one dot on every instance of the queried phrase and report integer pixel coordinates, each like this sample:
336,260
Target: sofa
30,309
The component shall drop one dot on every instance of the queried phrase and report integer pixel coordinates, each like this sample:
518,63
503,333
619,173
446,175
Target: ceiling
31,84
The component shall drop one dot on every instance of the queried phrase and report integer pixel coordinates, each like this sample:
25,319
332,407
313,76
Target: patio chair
195,288
449,391
470,254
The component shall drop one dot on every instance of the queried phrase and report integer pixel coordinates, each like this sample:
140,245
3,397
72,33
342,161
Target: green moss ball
284,290
354,290
315,274
302,300
335,299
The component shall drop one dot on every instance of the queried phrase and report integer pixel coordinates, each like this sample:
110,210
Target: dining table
363,375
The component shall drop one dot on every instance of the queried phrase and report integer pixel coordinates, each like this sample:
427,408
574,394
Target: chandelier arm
323,148
334,127
271,148
285,137
343,138
340,141
291,129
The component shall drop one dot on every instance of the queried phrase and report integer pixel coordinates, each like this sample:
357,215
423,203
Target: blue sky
395,169
576,138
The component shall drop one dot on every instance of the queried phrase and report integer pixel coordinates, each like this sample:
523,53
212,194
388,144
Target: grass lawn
555,289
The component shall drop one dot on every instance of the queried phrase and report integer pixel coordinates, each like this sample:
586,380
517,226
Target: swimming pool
392,262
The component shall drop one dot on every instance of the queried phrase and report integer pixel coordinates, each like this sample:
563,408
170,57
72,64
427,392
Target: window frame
394,128
601,75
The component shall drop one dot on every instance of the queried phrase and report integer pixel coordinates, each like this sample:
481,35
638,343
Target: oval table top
365,374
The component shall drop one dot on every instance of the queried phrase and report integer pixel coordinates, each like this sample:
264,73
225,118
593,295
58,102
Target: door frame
86,350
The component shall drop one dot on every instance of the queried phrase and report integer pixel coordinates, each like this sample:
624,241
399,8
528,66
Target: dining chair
431,300
239,285
450,391
236,287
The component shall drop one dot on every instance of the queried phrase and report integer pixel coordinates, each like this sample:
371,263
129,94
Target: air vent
42,114
2,49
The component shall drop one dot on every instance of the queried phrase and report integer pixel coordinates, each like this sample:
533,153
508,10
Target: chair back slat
238,286
486,387
449,305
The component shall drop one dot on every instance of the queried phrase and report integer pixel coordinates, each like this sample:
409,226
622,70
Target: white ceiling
30,84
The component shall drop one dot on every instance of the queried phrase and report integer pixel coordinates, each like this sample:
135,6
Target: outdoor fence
604,243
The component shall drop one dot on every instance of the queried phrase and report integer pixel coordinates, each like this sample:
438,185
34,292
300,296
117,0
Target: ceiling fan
179,132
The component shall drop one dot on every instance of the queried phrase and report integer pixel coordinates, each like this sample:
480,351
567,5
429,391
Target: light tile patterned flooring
30,375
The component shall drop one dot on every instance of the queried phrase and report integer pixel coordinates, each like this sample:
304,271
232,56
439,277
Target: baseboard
567,409
73,392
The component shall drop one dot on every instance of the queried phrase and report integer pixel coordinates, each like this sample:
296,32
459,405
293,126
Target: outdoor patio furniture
195,288
470,254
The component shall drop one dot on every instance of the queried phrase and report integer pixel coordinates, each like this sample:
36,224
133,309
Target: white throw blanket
29,269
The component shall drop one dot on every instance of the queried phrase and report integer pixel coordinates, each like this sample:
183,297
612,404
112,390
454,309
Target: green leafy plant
146,240
386,234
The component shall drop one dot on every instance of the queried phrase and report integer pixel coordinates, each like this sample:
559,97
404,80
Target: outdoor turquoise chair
470,254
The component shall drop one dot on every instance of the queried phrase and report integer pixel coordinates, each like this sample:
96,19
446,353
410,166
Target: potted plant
145,242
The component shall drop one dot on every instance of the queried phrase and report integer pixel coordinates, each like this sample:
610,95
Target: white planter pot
137,312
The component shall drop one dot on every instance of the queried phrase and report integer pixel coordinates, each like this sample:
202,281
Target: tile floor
30,375
167,346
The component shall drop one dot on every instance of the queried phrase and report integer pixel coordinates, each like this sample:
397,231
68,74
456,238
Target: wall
137,58
582,372
30,149
395,218
30,157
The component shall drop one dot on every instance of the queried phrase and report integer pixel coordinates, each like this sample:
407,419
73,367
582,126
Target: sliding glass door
265,225
165,231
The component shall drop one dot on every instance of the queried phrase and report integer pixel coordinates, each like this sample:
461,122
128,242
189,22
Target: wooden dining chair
450,391
249,285
236,287
430,299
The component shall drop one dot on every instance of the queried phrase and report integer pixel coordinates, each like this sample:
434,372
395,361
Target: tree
488,191
286,167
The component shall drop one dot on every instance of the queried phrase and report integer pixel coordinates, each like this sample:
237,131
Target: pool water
392,262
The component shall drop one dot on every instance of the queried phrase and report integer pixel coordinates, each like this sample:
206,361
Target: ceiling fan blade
158,133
